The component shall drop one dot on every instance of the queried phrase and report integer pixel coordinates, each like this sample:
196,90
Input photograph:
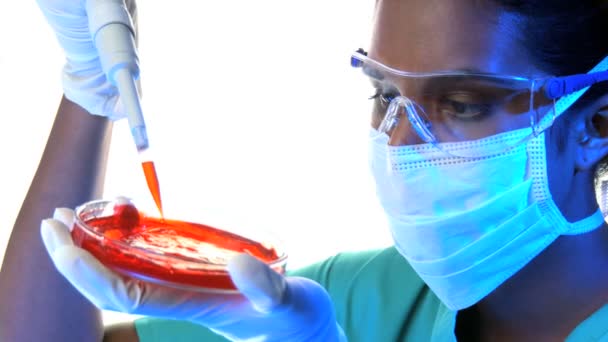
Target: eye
465,107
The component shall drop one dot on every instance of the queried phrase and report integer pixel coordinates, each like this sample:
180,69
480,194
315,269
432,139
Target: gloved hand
275,308
83,79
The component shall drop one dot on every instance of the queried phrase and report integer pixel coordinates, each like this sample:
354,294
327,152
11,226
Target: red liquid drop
152,180
168,251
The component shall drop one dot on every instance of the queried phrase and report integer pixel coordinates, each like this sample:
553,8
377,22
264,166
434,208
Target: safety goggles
443,108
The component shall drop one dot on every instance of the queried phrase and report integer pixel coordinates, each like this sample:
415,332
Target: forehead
440,35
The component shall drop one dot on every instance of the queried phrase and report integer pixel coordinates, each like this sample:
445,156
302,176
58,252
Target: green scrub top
377,296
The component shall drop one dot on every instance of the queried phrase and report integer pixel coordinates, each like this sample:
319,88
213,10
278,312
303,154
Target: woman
509,248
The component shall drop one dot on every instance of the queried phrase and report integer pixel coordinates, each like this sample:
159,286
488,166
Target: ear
593,140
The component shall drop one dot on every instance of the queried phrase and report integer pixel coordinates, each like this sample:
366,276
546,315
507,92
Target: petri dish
168,252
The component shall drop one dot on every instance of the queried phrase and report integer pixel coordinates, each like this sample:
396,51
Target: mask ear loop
537,122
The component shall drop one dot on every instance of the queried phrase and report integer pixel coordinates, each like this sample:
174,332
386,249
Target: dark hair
565,37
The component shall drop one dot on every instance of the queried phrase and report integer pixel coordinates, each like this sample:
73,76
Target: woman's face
474,35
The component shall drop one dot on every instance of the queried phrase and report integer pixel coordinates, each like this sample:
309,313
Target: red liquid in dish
199,248
152,180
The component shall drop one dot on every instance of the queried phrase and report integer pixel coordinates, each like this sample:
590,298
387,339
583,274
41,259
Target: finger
257,281
66,216
109,290
55,234
104,288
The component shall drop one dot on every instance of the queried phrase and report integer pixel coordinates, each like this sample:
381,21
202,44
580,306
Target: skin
70,172
564,284
568,281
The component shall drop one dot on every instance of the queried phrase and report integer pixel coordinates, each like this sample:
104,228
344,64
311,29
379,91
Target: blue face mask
467,225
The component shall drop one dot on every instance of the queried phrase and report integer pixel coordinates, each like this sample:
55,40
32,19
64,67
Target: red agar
152,180
129,238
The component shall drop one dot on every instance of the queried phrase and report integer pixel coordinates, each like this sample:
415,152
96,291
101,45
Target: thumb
263,286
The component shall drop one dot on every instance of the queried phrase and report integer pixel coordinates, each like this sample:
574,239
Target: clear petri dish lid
169,252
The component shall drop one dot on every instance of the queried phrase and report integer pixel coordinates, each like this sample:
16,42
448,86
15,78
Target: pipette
112,30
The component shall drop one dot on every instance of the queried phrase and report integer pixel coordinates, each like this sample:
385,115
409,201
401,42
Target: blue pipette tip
140,137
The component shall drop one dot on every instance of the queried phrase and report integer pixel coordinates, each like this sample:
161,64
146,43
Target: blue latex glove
273,308
84,81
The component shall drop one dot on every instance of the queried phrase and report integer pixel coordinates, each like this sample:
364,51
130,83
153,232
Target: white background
254,115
